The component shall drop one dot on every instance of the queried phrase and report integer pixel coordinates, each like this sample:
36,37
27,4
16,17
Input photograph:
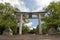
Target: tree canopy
6,15
7,19
53,18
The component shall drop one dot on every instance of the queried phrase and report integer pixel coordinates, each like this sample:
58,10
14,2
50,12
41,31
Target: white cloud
37,10
42,3
34,27
12,2
22,7
28,24
31,28
18,4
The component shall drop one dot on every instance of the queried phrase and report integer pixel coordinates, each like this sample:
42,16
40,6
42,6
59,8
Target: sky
30,6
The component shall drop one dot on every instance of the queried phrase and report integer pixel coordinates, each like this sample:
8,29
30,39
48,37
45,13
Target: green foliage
25,29
44,29
14,28
7,19
52,20
36,30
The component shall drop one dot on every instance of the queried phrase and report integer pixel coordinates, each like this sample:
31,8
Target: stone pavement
30,37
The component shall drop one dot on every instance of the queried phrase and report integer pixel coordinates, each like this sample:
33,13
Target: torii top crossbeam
30,14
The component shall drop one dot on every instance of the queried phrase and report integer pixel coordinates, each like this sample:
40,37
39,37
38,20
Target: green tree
7,19
53,17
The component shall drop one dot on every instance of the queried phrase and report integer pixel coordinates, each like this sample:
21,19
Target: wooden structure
34,15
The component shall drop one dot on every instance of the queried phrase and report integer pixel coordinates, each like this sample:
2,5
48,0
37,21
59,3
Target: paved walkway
30,37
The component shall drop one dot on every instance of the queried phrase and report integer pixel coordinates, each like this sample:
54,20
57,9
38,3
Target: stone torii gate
29,15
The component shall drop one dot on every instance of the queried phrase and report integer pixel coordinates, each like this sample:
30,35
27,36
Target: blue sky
30,6
34,22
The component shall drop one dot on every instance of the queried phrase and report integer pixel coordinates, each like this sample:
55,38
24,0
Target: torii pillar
20,27
39,22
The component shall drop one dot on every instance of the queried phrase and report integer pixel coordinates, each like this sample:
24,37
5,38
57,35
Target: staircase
30,37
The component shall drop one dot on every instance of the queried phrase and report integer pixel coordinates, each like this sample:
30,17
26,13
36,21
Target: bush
14,30
25,30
